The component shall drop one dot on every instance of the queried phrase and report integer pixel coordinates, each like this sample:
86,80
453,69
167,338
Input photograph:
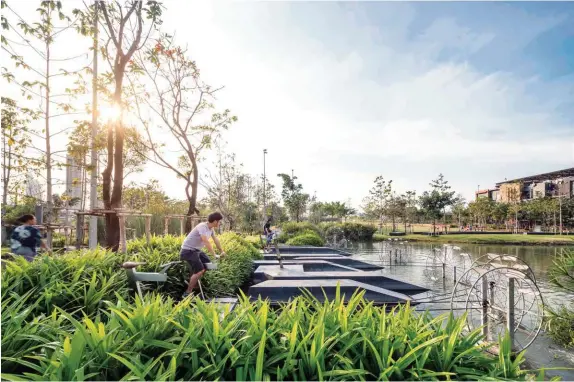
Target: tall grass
80,281
156,339
75,281
560,319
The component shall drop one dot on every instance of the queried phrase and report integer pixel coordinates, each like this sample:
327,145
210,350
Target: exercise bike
136,278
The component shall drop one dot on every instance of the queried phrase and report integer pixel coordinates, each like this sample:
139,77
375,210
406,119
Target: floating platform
309,250
304,272
339,260
291,256
281,291
320,270
321,267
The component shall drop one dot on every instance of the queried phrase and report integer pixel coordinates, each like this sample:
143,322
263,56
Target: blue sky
343,92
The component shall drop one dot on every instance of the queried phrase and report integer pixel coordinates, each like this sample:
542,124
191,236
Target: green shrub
233,270
234,238
58,240
307,238
292,229
156,339
168,243
380,237
256,241
350,231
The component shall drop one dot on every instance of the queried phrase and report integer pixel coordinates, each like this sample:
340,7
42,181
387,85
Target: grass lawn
488,239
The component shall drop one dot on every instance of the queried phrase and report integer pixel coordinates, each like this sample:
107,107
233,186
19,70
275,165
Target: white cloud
341,98
314,107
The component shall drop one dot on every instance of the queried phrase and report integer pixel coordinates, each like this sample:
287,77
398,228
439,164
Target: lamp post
264,185
560,202
93,233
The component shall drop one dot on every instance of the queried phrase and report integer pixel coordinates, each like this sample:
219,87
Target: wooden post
166,225
182,225
148,229
79,230
123,246
66,237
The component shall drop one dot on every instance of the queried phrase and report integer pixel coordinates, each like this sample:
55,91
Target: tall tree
513,199
435,201
50,25
181,105
459,208
294,199
395,208
16,139
79,146
124,29
481,210
227,188
377,203
410,198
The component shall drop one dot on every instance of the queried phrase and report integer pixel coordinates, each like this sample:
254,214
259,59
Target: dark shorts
27,252
195,258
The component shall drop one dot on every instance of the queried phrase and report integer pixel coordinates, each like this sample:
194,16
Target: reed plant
158,339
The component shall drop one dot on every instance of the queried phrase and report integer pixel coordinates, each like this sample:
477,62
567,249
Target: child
25,238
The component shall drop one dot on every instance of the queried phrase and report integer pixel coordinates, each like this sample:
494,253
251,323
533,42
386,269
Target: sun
110,112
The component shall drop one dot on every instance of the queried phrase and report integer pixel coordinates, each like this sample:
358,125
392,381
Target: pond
412,262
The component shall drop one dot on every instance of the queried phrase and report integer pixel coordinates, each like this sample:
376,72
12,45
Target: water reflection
410,261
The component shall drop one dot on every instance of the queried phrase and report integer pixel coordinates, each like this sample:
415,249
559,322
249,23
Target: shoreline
494,239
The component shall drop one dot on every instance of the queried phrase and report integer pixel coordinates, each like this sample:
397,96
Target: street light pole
560,202
93,233
264,186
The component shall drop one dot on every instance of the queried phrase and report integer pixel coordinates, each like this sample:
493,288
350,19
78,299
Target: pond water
413,262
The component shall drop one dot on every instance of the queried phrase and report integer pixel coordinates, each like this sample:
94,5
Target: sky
343,92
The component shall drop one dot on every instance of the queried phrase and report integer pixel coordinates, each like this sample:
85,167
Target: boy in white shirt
191,250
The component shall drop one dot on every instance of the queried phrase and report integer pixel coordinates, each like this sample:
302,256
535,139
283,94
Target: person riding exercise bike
192,253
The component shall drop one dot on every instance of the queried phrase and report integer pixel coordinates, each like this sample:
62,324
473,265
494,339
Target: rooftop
542,177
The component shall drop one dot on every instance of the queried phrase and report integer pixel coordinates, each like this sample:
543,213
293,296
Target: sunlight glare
110,112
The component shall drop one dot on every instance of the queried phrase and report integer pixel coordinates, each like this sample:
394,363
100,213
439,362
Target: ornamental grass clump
157,339
76,281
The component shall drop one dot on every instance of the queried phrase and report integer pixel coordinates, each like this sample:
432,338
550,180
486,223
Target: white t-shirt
193,239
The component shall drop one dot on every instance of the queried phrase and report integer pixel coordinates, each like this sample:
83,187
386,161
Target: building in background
74,178
551,184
